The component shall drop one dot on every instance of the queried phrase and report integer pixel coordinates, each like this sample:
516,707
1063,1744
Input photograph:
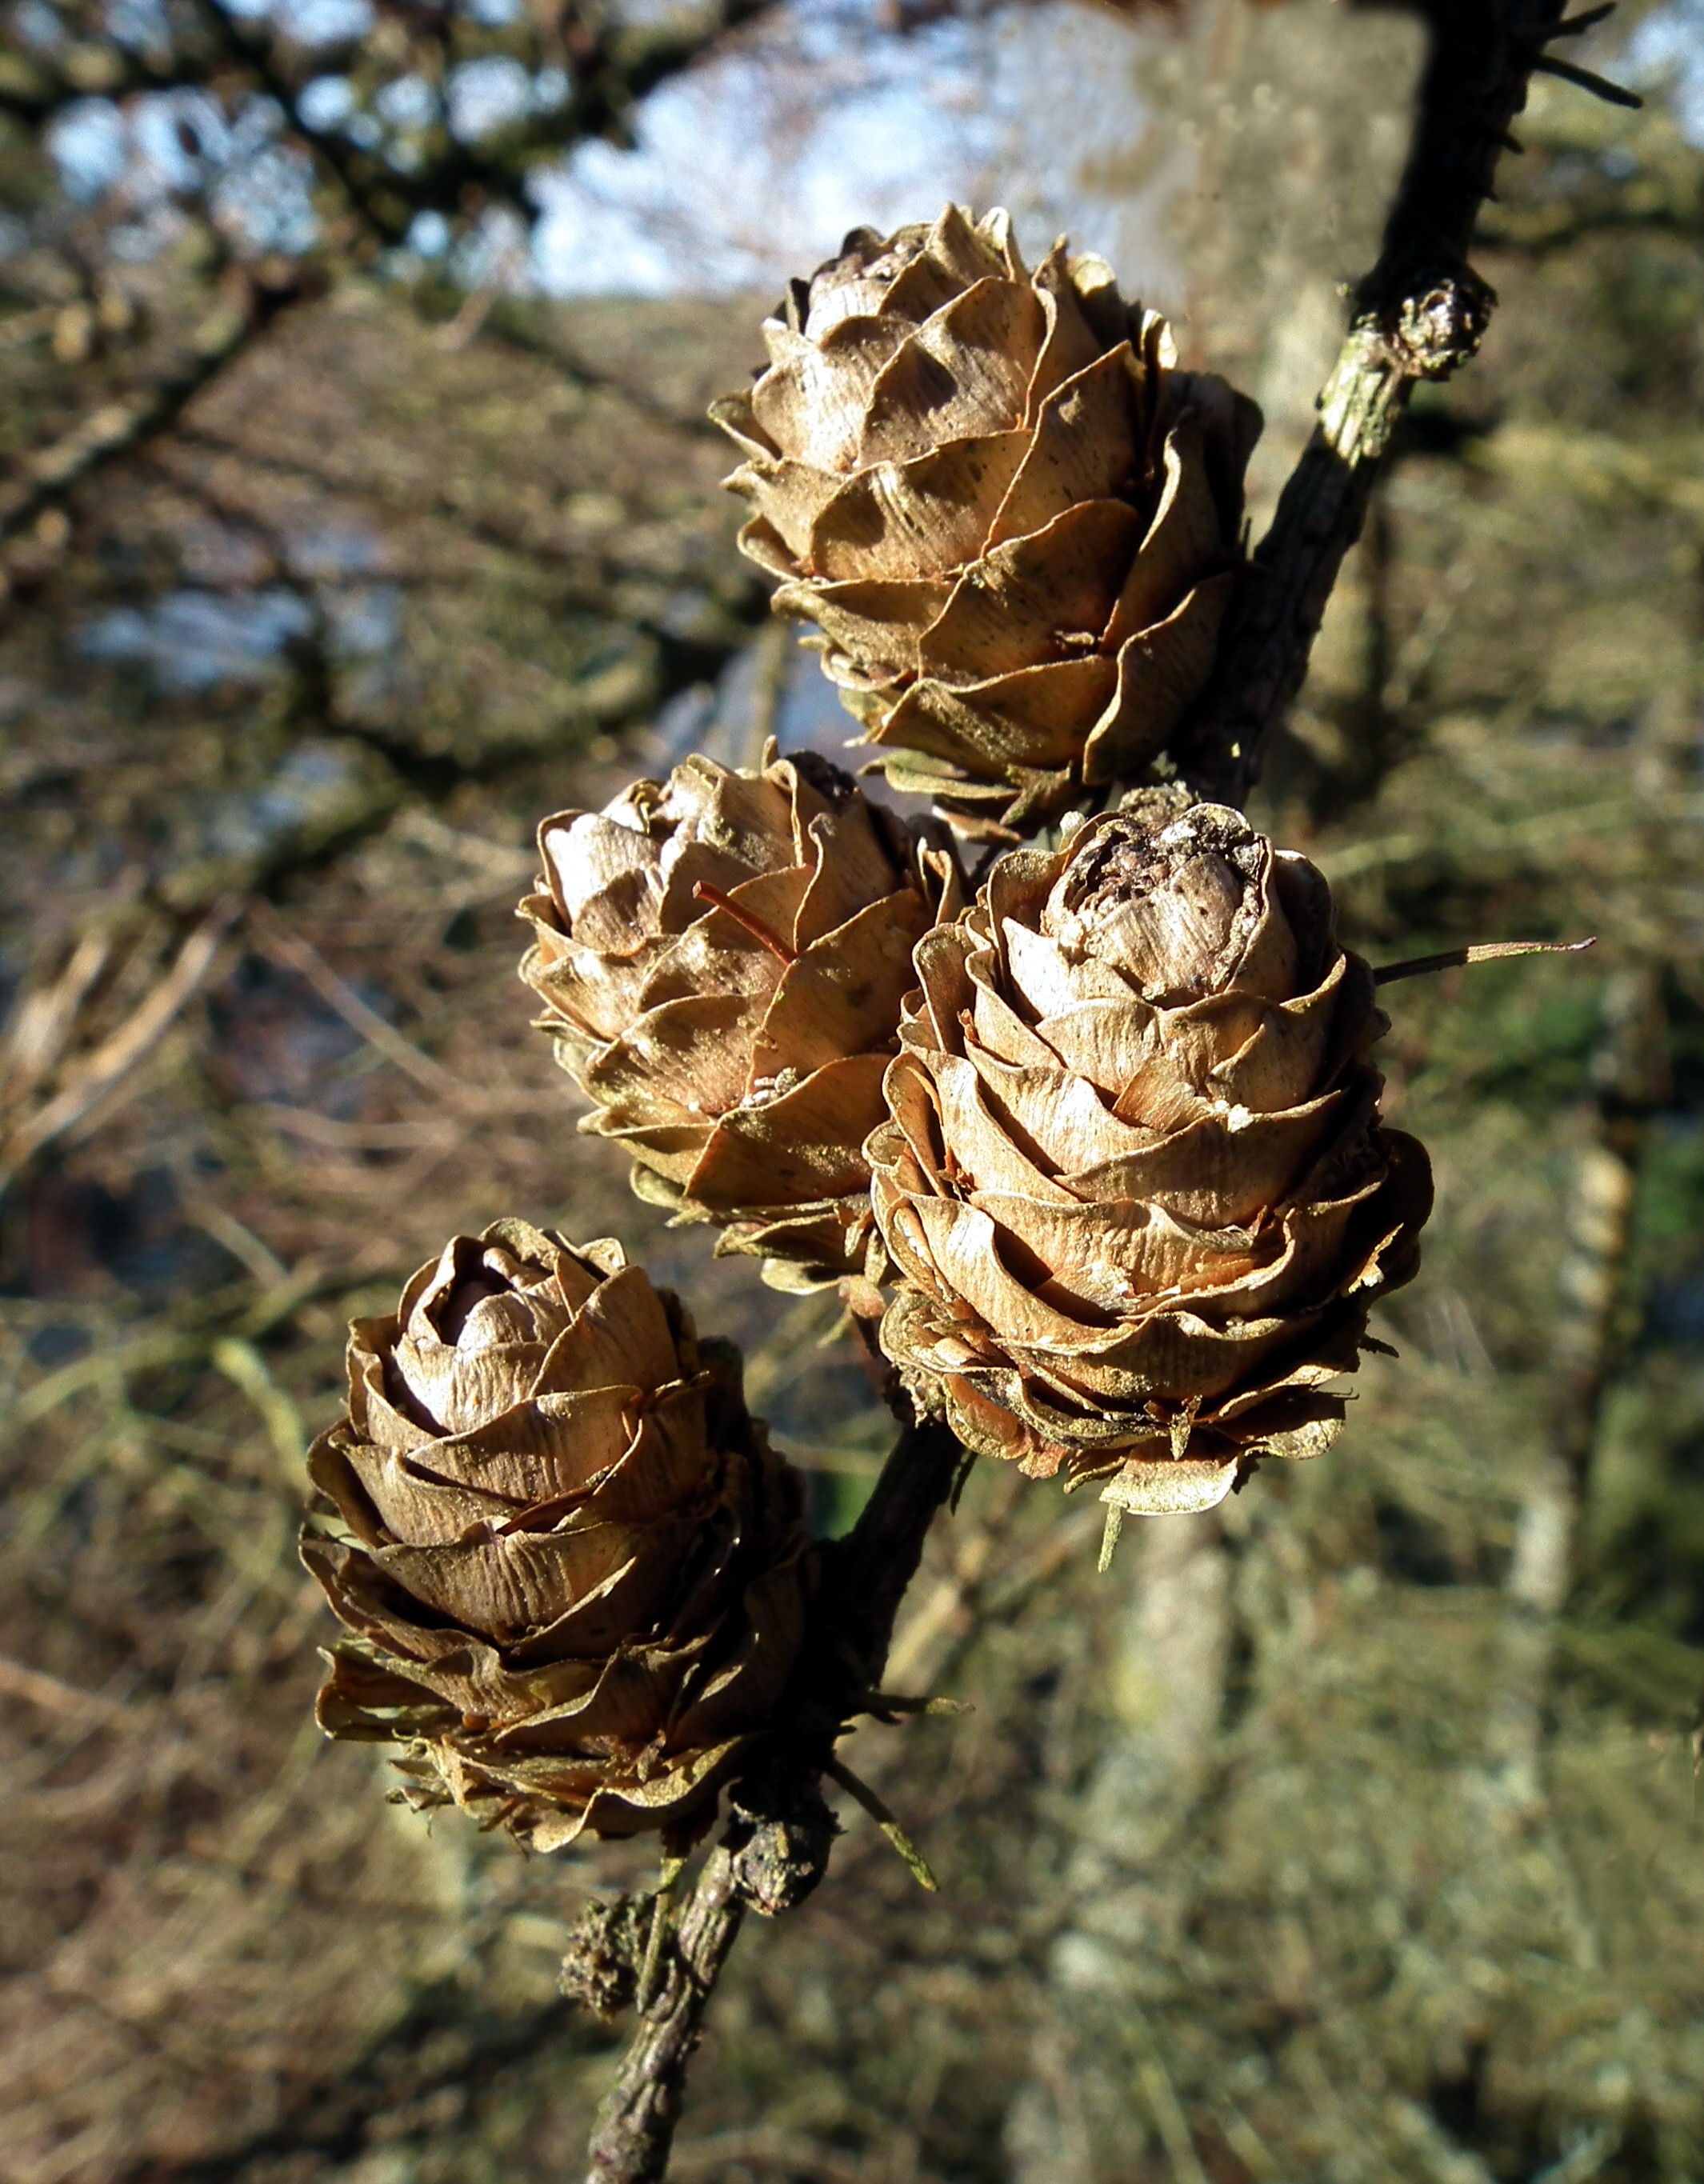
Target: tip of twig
890,1705
1109,1537
1483,951
916,1864
1589,80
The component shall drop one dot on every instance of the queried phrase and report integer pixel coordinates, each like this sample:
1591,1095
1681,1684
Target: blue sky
755,166
1670,43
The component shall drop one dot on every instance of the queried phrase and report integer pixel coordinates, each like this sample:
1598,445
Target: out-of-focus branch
26,1127
611,66
52,474
1419,313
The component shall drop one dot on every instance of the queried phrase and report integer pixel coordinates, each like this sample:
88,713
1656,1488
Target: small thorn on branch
1600,87
884,1817
1483,951
1109,1537
1575,27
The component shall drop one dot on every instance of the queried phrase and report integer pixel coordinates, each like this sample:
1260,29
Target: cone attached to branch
1135,1178
1013,518
569,1561
724,955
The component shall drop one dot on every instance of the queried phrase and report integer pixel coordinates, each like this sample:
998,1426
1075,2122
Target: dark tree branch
776,1846
614,68
1420,314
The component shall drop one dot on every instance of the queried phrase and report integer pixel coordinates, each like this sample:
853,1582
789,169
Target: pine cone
724,955
1135,1177
574,1580
1015,521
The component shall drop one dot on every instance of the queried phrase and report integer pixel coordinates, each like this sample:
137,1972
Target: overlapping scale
1134,1174
1013,518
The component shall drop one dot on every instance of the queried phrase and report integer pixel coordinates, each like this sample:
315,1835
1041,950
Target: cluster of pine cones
1101,1145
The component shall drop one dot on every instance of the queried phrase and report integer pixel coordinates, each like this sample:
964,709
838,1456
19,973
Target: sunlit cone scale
1134,1177
569,1562
723,956
1014,521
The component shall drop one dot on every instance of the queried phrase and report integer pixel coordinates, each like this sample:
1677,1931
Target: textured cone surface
724,955
569,1562
1134,1177
1013,519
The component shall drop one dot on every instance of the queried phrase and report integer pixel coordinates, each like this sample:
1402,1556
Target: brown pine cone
570,1560
1135,1178
1014,519
724,955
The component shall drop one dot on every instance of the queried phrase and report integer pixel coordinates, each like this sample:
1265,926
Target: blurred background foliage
355,510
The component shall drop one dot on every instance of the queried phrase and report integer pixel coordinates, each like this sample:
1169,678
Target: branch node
1437,326
779,1835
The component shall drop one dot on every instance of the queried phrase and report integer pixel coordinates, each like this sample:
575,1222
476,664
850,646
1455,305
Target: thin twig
1420,314
288,949
1482,951
865,1577
886,1819
101,1072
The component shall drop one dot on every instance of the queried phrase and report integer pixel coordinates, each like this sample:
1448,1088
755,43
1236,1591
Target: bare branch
1420,314
52,474
636,2126
777,1845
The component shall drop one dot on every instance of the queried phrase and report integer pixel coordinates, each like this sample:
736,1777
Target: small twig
662,1904
1420,314
1482,951
50,1696
883,1816
890,1705
290,952
101,1072
776,1845
1600,87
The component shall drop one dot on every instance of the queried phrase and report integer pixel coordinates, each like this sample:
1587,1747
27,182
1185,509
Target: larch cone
723,956
1135,1178
1014,519
569,1565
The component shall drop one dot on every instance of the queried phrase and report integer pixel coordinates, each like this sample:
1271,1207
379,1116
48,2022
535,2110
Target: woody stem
865,1577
